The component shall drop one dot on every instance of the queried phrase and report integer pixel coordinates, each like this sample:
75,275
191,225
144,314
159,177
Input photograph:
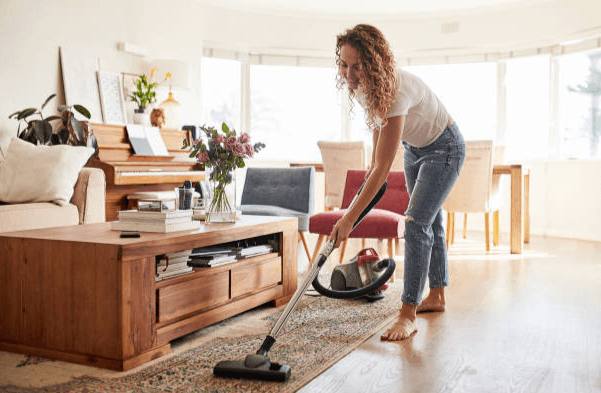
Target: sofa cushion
24,216
32,173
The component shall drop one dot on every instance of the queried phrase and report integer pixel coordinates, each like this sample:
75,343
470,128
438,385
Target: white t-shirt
425,115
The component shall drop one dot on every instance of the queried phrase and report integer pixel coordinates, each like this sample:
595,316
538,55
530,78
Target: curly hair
379,81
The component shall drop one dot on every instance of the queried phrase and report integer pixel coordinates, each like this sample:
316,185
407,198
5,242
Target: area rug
319,332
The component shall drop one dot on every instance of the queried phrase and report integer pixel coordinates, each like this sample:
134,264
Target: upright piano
127,173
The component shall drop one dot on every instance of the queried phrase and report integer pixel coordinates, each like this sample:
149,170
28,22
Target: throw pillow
32,173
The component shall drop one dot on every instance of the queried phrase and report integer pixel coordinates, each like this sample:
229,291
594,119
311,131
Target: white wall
563,193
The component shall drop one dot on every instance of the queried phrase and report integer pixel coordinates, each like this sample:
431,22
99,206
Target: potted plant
145,95
37,129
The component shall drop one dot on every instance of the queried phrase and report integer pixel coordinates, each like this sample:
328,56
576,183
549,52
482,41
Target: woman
399,107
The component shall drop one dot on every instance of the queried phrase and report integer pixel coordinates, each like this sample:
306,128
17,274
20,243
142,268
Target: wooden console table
84,295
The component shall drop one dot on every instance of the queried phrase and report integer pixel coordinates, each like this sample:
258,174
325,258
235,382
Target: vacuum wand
258,365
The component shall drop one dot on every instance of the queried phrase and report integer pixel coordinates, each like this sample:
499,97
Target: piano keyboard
161,173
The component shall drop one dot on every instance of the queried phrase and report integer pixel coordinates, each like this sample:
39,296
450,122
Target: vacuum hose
387,264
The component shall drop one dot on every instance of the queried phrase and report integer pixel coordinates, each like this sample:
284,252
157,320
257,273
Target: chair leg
465,225
304,240
448,229
320,240
486,230
452,227
391,254
343,250
362,243
496,235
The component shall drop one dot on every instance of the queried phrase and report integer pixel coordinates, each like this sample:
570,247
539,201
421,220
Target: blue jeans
430,172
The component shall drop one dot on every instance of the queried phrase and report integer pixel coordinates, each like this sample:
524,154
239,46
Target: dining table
519,232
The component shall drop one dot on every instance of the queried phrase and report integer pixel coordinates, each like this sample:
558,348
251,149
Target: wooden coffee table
84,295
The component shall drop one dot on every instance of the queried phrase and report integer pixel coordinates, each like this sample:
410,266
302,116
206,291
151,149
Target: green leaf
184,144
48,100
63,136
78,129
26,112
14,114
54,117
83,111
225,128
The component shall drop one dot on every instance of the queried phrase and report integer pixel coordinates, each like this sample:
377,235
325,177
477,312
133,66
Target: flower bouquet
222,153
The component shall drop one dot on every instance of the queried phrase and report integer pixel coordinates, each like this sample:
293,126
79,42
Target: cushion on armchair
32,173
279,192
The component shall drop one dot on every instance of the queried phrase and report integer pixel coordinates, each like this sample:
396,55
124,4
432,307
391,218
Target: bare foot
404,327
434,302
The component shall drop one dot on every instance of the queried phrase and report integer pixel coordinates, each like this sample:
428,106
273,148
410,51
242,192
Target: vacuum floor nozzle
239,369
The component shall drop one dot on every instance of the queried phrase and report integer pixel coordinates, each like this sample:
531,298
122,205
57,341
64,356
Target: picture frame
79,69
111,98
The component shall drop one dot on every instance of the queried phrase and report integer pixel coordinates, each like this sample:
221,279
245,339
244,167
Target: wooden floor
514,323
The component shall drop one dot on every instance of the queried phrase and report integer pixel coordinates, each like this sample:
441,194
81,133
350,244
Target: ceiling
363,8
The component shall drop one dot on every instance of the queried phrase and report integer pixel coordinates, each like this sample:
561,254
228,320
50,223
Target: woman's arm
375,135
385,148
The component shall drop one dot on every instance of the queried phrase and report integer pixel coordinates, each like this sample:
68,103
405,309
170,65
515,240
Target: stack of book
173,264
247,252
212,256
151,221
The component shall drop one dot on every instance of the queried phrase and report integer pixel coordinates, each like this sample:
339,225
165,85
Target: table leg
517,182
527,206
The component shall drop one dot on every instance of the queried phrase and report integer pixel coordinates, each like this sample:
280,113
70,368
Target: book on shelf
209,262
154,226
212,250
172,267
136,214
160,276
252,251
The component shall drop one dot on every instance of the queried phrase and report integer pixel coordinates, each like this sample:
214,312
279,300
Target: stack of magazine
212,256
150,221
247,252
173,264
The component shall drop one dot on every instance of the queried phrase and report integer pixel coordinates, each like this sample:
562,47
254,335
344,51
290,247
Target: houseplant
222,153
37,129
145,95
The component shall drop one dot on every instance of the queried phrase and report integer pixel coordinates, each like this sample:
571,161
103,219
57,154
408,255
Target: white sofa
86,206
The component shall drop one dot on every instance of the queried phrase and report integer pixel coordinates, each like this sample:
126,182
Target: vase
221,206
141,117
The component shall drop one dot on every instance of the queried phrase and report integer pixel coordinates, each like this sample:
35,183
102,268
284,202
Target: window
468,91
292,108
527,109
220,81
580,105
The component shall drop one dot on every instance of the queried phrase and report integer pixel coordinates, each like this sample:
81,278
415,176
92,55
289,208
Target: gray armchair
286,192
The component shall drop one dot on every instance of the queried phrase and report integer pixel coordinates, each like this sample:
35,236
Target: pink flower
196,141
202,157
244,138
239,150
249,150
219,139
231,142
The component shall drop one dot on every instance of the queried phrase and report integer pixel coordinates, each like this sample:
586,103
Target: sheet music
146,140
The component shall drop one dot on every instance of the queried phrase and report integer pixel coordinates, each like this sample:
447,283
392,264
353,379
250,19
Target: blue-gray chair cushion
265,210
279,192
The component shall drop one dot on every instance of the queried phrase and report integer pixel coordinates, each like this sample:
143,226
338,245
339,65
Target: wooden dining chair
338,158
472,193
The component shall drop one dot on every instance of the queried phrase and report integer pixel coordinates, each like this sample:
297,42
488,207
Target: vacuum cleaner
258,365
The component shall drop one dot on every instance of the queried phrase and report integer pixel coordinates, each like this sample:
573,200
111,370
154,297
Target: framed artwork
111,98
80,85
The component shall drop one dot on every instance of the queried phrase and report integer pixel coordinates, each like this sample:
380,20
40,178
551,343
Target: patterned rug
319,332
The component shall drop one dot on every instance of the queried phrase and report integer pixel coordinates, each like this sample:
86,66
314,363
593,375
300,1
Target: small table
520,200
83,294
